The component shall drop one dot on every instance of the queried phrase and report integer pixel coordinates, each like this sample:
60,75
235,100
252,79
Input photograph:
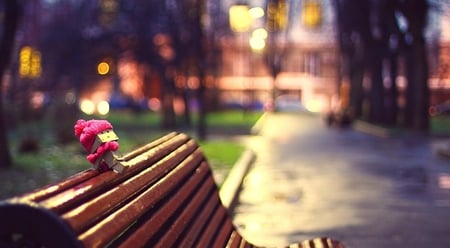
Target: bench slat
196,228
224,232
84,215
245,244
143,234
150,146
321,243
165,197
118,221
178,227
176,206
234,241
52,189
211,229
104,181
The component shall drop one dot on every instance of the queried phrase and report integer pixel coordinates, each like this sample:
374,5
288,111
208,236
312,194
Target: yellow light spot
260,33
35,64
103,108
257,44
24,61
312,13
103,68
256,12
240,19
87,106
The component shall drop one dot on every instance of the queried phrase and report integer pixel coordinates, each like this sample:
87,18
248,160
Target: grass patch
54,162
222,154
440,125
232,118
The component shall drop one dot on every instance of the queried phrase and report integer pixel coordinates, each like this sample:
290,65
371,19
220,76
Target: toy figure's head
100,141
87,131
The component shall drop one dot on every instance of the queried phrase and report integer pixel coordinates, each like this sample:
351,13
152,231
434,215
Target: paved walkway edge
231,186
259,124
444,151
371,129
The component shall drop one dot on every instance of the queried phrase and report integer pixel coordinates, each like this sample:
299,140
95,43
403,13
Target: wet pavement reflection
309,180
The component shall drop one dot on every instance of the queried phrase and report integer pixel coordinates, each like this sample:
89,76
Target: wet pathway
309,180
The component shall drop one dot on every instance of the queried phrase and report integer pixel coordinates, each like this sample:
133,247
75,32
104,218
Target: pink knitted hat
87,131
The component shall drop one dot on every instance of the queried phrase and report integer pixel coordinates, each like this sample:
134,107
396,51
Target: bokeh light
103,107
103,68
87,106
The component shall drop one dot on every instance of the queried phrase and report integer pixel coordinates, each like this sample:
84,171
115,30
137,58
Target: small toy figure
100,141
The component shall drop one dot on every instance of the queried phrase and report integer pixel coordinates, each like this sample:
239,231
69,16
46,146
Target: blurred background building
94,51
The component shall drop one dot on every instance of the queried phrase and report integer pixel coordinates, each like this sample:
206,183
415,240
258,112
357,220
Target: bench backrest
165,197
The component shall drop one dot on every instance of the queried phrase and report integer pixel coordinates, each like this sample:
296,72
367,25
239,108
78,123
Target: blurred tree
277,22
169,38
382,49
190,43
164,37
417,92
61,31
353,34
369,36
71,25
392,42
148,23
10,10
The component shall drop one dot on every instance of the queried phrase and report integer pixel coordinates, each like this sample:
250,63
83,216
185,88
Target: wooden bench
166,197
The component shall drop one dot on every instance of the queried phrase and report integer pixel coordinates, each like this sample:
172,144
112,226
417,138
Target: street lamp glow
258,39
260,33
256,12
240,19
87,106
257,43
103,68
103,108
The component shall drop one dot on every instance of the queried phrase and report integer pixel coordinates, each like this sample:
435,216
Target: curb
444,151
371,129
233,182
367,128
258,125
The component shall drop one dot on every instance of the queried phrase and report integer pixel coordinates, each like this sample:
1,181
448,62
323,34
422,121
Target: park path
309,180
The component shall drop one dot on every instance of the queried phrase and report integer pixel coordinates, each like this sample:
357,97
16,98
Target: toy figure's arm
109,156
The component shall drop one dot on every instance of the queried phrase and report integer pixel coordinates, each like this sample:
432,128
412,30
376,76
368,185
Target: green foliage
222,154
54,161
233,118
58,159
440,125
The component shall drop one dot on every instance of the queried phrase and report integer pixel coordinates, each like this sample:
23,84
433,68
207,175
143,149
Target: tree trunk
418,93
10,23
377,112
356,67
187,107
201,126
391,102
201,59
168,96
